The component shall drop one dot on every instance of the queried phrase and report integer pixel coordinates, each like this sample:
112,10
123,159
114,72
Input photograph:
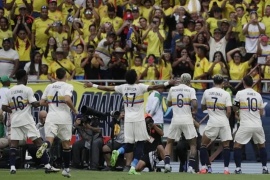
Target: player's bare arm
43,102
159,86
35,104
169,103
194,105
104,88
228,111
6,108
204,107
69,102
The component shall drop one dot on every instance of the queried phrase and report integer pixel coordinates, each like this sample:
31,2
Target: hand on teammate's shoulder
88,84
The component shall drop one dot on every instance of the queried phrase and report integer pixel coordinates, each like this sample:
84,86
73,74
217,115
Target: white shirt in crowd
217,46
27,69
7,60
217,100
181,97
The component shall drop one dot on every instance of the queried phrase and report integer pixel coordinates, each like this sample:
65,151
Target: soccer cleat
13,171
238,171
203,171
133,172
191,170
51,170
126,168
209,170
114,157
66,173
167,168
265,171
41,150
226,172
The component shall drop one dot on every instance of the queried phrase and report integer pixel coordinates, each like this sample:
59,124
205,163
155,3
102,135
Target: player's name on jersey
130,89
57,86
251,94
17,92
215,94
185,90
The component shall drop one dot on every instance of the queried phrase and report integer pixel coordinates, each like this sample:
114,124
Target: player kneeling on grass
19,101
250,106
152,147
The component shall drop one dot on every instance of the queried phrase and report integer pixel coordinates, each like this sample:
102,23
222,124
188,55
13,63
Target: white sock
132,167
226,169
13,168
67,169
265,168
203,167
238,169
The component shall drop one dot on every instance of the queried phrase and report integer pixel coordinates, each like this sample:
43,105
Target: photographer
118,140
151,155
90,138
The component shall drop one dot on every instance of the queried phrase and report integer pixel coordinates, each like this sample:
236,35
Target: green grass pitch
99,175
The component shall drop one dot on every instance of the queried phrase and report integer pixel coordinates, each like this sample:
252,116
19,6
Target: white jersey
59,112
133,96
3,94
250,102
216,101
19,99
181,97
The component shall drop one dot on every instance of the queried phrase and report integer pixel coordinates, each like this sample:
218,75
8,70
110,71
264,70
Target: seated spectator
33,68
118,65
78,54
151,68
118,140
90,139
91,64
138,66
61,62
48,51
5,31
9,59
44,72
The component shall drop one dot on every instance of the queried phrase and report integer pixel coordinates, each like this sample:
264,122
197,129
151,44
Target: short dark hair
20,74
218,79
248,80
131,76
60,73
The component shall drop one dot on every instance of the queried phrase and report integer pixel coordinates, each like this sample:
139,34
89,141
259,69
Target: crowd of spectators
160,39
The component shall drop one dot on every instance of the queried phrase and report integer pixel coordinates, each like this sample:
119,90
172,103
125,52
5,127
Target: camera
87,111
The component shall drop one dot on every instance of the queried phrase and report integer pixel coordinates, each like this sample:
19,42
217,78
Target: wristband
166,84
95,86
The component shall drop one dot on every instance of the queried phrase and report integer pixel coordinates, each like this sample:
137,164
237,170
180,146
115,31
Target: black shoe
107,168
126,169
265,171
12,171
51,170
238,172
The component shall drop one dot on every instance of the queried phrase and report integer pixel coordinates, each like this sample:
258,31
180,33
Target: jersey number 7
133,98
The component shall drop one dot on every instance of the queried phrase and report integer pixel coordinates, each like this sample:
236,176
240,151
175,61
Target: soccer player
250,106
135,127
58,121
18,101
182,98
218,103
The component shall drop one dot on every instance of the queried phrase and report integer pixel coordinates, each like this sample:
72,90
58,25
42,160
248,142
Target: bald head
42,116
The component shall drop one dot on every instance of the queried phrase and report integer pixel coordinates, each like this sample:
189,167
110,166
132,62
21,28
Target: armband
166,84
95,86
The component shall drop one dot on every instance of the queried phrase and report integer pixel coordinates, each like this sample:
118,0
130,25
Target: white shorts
62,131
244,134
135,131
24,132
175,131
224,133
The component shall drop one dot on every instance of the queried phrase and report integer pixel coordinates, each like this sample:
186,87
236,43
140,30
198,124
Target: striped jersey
181,97
217,100
250,103
19,99
133,96
54,94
